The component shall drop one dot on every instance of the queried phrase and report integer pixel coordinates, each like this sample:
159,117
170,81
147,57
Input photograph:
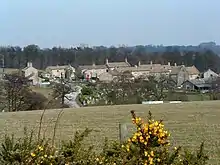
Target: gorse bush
148,145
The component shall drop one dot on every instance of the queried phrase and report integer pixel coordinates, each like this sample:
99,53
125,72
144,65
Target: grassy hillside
189,123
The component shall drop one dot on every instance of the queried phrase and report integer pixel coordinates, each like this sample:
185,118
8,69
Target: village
185,77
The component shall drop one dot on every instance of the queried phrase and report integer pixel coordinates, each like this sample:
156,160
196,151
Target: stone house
135,71
147,69
193,72
92,71
31,73
181,73
196,84
209,74
108,76
113,65
60,71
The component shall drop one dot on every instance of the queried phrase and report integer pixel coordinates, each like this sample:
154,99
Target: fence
160,102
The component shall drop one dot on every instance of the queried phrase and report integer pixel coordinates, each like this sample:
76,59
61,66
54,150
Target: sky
67,23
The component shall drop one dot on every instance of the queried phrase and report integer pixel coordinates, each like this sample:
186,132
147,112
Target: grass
189,123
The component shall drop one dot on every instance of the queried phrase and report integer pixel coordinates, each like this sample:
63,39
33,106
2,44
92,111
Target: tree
16,87
155,88
35,101
120,89
18,96
61,89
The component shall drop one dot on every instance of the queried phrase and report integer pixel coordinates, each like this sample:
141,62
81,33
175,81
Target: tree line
17,57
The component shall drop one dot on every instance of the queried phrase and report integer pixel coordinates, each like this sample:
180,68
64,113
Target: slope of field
189,123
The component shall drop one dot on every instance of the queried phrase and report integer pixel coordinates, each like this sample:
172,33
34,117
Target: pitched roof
175,70
132,69
117,64
9,70
87,67
27,68
192,70
57,67
200,83
154,68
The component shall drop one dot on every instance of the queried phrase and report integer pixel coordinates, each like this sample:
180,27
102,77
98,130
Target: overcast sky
108,22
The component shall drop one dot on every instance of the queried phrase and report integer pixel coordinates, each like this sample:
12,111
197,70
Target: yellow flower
45,156
145,153
158,159
152,153
33,154
40,148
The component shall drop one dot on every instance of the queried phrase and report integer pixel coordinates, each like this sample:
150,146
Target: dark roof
199,83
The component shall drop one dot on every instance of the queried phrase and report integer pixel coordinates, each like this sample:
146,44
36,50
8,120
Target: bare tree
155,88
16,87
61,89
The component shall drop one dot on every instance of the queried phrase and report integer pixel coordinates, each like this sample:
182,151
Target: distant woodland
203,56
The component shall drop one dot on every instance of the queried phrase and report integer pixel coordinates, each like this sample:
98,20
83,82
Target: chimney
126,60
29,64
139,63
106,61
93,64
168,63
151,62
174,64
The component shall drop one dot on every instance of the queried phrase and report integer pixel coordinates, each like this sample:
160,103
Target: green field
189,123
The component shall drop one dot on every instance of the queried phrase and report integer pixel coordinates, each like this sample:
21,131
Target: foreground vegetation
148,145
189,124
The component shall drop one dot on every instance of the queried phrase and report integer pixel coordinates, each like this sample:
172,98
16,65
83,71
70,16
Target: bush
148,145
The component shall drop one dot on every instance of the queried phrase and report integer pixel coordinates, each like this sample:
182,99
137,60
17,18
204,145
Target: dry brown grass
189,123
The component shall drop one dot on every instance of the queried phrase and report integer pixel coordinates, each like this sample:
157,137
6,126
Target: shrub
149,145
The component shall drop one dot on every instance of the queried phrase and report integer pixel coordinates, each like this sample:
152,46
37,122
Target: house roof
161,69
192,70
57,67
200,82
117,64
132,69
154,68
87,67
175,70
9,70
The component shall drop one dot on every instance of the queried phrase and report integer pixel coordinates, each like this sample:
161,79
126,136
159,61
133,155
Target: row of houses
111,69
36,77
186,76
